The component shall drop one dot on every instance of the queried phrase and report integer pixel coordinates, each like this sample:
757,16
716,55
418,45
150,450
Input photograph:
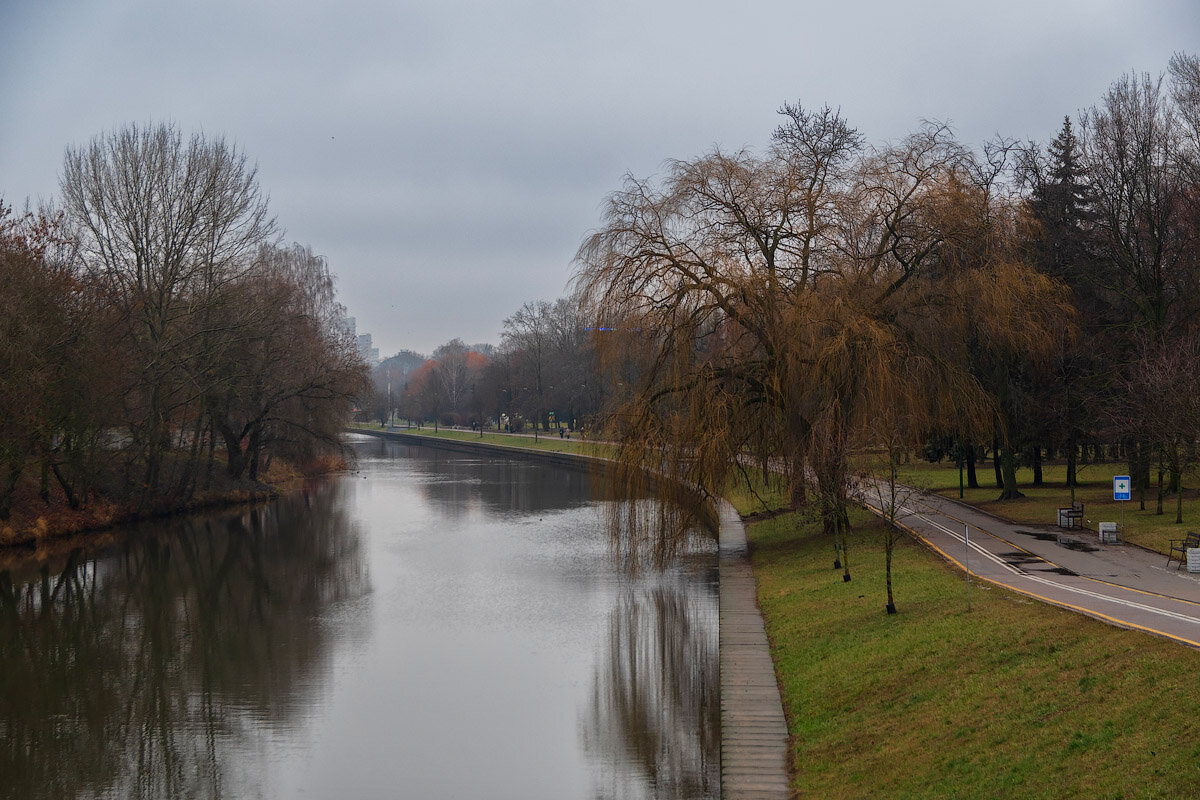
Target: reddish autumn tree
58,372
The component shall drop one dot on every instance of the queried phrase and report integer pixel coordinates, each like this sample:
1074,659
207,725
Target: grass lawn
551,443
1040,504
1009,699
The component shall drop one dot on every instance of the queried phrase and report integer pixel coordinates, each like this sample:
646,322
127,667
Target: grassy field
1012,699
549,443
1040,505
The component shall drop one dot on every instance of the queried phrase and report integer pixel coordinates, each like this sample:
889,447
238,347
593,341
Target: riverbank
550,443
34,522
549,449
37,523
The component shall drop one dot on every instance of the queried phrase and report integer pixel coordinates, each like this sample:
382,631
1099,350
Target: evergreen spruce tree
1060,203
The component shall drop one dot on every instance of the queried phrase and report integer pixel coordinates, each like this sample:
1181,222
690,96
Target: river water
433,625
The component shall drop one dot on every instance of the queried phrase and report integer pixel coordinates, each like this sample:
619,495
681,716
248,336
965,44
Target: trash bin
1064,518
1193,559
1108,533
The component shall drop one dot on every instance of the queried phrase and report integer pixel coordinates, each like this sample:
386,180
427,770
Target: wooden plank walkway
754,736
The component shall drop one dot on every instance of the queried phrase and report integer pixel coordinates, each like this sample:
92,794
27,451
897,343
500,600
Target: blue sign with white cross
1121,487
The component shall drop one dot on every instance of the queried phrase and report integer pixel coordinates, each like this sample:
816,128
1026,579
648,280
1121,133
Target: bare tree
1185,91
1132,143
1166,378
527,337
454,375
166,223
1138,146
423,398
290,371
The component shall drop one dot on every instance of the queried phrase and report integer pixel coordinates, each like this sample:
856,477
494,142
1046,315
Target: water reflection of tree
133,674
655,707
501,485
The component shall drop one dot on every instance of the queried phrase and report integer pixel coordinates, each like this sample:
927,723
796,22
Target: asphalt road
1119,583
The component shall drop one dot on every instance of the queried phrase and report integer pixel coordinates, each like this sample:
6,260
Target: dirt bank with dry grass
38,519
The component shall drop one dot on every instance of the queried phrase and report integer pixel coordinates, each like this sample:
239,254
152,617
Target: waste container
1108,533
1193,559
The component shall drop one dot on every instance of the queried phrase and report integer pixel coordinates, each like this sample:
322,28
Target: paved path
1120,584
754,736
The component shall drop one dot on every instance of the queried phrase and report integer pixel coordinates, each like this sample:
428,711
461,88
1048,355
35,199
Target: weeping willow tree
768,310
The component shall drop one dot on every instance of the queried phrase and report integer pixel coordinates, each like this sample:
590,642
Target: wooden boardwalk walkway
754,736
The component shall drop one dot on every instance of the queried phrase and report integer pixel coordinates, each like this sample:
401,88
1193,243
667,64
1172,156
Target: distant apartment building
366,349
369,353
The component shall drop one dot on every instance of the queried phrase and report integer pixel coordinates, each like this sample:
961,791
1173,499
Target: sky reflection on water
430,626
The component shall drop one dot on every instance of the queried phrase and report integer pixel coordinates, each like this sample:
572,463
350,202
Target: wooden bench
1181,546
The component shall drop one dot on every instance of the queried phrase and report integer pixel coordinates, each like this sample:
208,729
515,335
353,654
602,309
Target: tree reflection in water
656,697
146,671
458,483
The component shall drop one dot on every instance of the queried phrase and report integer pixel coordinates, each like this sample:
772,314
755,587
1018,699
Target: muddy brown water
433,625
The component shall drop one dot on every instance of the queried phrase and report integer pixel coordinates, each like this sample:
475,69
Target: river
432,625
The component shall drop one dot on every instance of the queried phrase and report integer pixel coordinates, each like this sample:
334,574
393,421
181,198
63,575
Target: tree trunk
68,490
187,478
891,544
211,437
235,456
1139,469
972,478
835,520
799,493
1037,465
254,448
1072,479
1159,507
15,468
1008,468
892,531
996,463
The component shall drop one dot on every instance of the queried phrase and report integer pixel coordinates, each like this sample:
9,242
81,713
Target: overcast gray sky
448,157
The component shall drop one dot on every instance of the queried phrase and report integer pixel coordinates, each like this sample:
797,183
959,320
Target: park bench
1181,546
1070,517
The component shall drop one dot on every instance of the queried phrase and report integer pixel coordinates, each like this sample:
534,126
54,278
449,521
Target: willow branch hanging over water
769,310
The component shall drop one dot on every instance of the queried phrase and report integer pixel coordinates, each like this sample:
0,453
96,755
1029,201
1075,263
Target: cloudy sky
448,156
